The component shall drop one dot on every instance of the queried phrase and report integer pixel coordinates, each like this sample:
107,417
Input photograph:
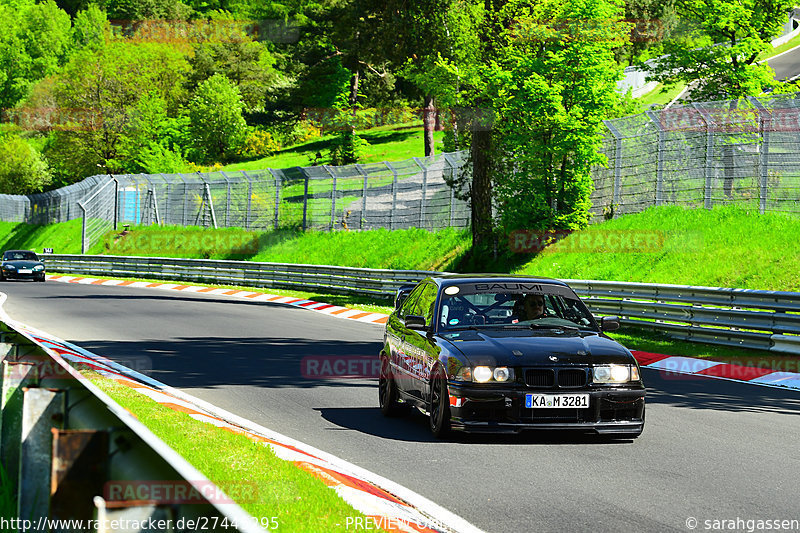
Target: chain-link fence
410,193
745,152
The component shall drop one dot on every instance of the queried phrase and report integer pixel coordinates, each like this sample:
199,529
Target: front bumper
614,410
15,274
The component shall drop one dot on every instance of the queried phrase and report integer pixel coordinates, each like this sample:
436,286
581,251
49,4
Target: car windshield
513,305
20,256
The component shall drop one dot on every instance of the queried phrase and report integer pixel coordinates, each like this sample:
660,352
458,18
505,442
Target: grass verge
386,143
274,487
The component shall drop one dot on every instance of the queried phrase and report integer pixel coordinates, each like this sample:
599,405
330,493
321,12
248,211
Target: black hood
498,347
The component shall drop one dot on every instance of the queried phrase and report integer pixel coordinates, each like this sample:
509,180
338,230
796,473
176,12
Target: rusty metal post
79,472
42,410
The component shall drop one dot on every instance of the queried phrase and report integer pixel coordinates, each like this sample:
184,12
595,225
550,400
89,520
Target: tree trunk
354,89
428,124
481,190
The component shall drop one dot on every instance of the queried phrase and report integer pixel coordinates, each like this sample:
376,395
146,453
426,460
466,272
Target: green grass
8,499
780,49
661,95
298,500
724,247
63,238
387,143
409,249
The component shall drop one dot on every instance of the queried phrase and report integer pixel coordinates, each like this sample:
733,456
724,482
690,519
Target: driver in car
529,307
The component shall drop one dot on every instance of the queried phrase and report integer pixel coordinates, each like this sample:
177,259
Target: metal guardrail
766,320
69,450
345,280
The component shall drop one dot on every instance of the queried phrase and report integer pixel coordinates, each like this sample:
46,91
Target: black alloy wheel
387,390
439,405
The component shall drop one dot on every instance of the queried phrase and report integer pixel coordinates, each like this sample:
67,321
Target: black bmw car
21,264
484,353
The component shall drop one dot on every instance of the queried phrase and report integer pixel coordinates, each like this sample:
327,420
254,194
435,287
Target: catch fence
744,152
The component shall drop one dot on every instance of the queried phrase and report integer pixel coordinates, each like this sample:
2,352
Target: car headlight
10,267
485,374
38,268
615,374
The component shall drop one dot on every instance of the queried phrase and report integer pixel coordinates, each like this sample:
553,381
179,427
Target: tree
34,43
22,168
217,126
96,95
243,61
718,58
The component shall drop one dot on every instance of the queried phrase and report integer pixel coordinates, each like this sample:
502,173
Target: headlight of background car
485,374
38,268
9,267
615,373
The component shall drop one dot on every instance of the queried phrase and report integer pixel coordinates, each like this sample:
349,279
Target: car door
418,345
396,333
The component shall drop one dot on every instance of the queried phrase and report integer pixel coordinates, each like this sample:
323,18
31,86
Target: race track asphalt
711,450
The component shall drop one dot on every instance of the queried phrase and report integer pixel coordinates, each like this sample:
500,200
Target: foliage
90,27
34,43
347,148
22,168
719,55
216,124
98,93
551,86
246,63
259,143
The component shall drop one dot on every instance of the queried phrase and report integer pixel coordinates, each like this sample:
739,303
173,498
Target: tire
439,406
387,390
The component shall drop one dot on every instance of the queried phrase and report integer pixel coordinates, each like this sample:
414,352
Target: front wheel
439,406
387,390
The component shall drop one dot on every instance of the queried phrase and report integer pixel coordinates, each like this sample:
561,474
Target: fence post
764,126
659,157
116,200
277,196
83,228
249,200
363,198
422,203
333,195
227,198
615,188
708,201
305,200
394,194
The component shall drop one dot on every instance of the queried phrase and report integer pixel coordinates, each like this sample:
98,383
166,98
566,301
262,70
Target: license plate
557,401
25,271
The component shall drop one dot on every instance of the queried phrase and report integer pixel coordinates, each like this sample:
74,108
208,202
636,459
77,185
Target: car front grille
540,377
572,377
547,378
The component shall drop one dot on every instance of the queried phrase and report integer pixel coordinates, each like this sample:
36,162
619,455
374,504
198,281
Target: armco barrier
69,449
766,320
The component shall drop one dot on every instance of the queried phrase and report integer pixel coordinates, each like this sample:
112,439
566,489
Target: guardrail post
42,410
16,376
79,471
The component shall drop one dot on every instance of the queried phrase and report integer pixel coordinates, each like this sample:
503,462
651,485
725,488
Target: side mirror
609,323
415,322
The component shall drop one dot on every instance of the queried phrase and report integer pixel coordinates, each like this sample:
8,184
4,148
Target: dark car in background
482,353
21,264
